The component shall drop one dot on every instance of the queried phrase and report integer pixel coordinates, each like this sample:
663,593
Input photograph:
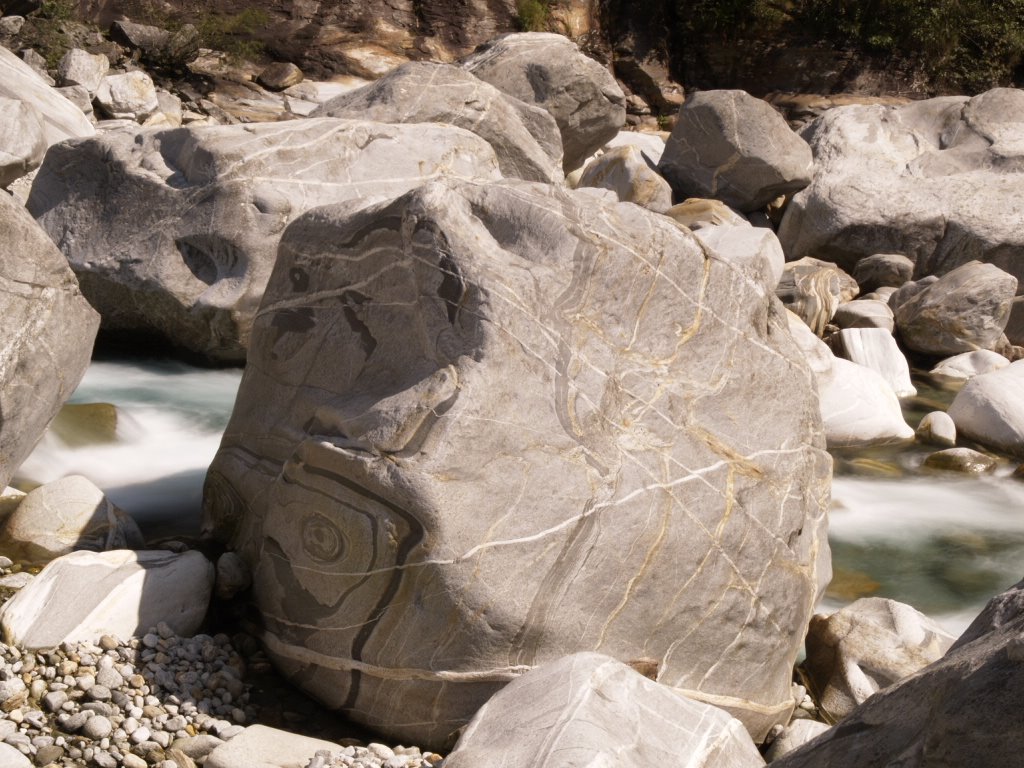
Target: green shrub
532,15
234,34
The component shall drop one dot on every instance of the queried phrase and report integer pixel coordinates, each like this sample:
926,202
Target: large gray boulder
174,232
590,710
550,71
940,181
962,311
954,712
481,416
732,147
990,409
61,119
48,330
524,137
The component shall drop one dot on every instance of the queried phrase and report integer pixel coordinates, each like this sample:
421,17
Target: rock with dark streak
486,425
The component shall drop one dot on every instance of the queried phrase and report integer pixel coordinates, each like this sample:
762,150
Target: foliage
234,34
969,45
532,15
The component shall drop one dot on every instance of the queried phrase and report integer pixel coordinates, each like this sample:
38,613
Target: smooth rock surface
12,758
61,119
81,596
940,181
588,709
866,646
261,747
858,407
960,368
48,330
732,147
864,313
951,713
525,138
936,428
625,172
964,310
22,139
651,145
63,516
206,207
990,409
550,71
796,734
875,348
752,247
457,449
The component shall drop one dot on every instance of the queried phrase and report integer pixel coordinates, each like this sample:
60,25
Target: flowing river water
941,543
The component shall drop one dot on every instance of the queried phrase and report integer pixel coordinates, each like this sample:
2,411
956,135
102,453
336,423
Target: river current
940,543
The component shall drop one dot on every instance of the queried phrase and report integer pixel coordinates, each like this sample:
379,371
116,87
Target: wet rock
963,460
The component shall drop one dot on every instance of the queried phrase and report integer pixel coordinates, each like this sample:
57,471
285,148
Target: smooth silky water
939,542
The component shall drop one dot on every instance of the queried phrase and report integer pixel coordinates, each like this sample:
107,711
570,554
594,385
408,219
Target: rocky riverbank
530,448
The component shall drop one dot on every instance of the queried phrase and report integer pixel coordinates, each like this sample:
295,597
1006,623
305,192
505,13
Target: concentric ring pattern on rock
483,426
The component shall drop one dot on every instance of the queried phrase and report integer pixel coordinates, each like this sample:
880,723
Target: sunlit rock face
485,426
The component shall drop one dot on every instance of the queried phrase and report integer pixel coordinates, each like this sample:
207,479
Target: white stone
796,734
937,428
81,596
857,405
80,67
12,758
753,247
990,409
131,96
65,515
589,710
875,348
651,144
960,368
261,747
625,171
61,119
22,139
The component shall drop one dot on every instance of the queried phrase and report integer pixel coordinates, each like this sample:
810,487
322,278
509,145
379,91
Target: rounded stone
97,727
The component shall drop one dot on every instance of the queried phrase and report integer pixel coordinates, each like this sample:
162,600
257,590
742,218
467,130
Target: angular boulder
174,232
22,140
588,709
79,67
48,333
733,147
61,119
990,409
514,422
940,181
954,712
524,137
964,310
82,596
128,96
551,72
866,646
625,172
63,516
